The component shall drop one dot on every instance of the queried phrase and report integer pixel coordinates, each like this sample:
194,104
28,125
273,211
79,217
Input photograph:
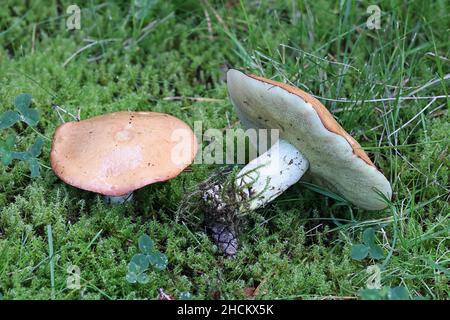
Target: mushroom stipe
332,157
310,141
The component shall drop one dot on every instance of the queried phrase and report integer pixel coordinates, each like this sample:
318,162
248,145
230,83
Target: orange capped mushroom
117,153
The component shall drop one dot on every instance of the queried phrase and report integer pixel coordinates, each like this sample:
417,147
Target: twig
295,13
60,116
58,108
412,119
143,34
319,58
208,23
40,134
85,48
434,55
52,260
216,14
339,298
428,84
381,99
201,99
33,38
409,96
146,31
93,59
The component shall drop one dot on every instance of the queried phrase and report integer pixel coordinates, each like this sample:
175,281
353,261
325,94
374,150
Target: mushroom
310,138
117,153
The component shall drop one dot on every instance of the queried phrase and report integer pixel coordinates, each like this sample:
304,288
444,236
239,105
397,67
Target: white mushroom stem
113,200
269,175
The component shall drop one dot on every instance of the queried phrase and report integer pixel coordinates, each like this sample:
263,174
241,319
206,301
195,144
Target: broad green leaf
36,148
8,119
23,156
133,268
131,277
376,252
142,278
185,296
368,237
10,141
371,294
5,150
141,261
359,252
33,164
146,244
398,293
158,260
6,158
22,101
30,117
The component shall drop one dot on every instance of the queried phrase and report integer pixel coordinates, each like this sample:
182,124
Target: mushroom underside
332,159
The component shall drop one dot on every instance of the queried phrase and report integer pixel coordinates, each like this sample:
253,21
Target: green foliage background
297,247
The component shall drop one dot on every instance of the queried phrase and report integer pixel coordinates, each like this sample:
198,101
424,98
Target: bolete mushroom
310,139
117,153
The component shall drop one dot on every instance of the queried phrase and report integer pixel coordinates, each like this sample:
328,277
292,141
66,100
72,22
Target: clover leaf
140,262
28,115
158,260
136,269
33,165
145,244
376,252
185,296
7,159
23,112
385,293
143,278
368,237
131,277
22,101
36,148
29,156
6,149
359,252
8,119
372,294
398,293
368,248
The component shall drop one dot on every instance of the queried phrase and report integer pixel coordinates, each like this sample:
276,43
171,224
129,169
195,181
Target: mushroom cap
336,160
117,153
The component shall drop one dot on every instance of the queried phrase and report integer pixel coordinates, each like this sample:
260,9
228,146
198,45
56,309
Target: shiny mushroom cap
336,160
117,153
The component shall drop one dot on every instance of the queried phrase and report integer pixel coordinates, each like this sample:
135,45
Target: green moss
297,247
